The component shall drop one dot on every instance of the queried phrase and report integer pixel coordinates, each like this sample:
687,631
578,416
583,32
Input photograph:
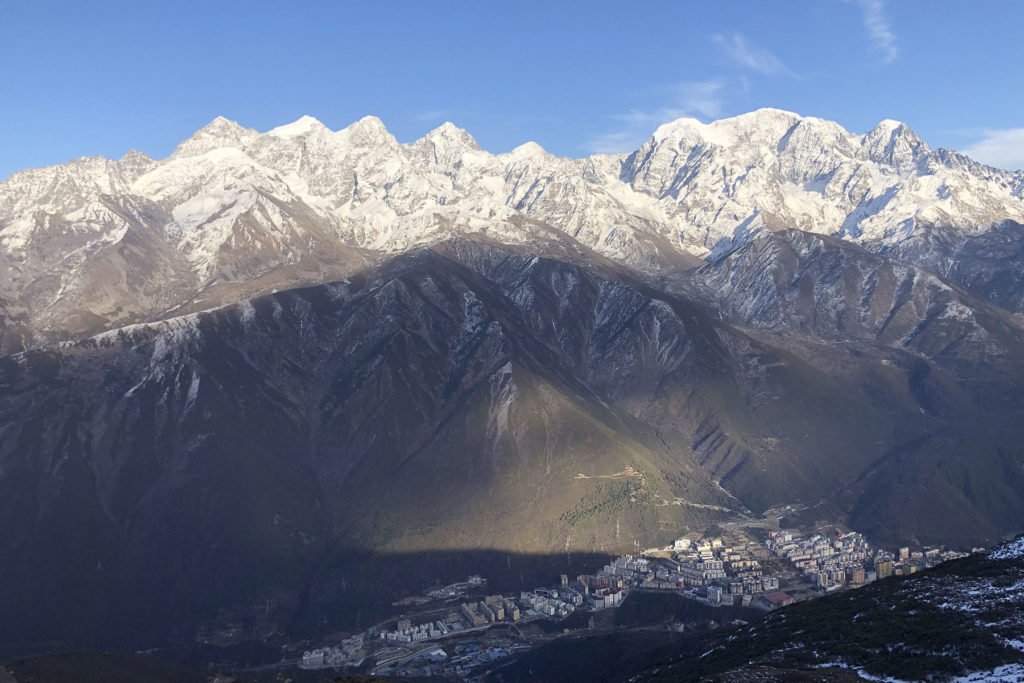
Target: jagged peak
449,130
370,123
221,126
135,163
302,126
449,133
221,132
890,129
893,142
368,130
887,126
446,128
445,145
134,154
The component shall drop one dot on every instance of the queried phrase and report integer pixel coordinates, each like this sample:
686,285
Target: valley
460,631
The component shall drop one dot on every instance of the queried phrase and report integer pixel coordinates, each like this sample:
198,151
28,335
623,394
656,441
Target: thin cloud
1000,148
883,40
749,56
689,98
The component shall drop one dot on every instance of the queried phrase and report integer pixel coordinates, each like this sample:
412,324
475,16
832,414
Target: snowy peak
444,146
528,150
223,129
689,133
303,126
891,142
760,125
895,144
367,131
220,132
449,135
449,130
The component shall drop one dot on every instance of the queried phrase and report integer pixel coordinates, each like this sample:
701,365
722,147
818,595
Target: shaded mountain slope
988,264
250,462
798,285
958,355
178,468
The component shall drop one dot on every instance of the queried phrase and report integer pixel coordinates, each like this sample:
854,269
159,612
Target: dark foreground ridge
106,667
961,617
368,590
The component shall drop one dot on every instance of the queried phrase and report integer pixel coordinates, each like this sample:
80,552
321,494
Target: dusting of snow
1008,673
1008,551
248,311
193,391
861,673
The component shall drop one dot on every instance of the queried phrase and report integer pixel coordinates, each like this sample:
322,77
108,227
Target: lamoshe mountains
237,378
95,243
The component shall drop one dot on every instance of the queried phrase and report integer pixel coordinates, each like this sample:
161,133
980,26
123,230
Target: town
724,570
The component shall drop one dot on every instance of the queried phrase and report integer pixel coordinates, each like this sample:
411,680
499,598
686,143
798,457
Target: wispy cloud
749,56
688,98
1000,148
883,40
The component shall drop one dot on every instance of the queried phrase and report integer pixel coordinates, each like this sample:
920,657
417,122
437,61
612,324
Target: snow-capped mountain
95,243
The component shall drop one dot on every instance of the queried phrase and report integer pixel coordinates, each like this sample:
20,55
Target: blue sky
83,78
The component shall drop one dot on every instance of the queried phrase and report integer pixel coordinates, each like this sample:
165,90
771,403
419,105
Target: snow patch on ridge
1009,551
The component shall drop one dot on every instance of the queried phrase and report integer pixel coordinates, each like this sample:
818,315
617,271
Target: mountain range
240,384
97,244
